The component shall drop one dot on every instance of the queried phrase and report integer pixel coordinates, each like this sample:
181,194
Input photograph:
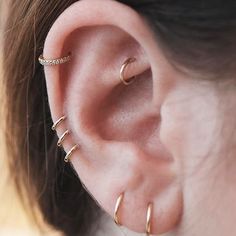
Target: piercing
149,216
117,208
69,154
53,62
58,122
122,70
62,138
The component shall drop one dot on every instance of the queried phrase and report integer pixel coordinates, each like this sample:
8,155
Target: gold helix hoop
117,208
63,137
58,122
149,218
122,71
69,154
53,62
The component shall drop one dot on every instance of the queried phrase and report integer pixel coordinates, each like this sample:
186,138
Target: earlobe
107,93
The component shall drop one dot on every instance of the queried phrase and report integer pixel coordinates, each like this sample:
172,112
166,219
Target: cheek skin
190,120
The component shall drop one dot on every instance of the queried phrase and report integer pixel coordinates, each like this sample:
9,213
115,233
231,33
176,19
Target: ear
116,126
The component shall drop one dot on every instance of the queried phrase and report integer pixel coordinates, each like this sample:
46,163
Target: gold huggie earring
122,70
58,122
149,218
69,154
53,62
117,208
62,138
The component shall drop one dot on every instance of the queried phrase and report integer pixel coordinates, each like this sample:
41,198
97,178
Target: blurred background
14,220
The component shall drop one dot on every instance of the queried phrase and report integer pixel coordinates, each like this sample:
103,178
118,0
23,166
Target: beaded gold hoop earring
53,62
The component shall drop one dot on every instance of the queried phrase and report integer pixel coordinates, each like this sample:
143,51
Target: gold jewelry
53,62
122,70
149,217
69,154
117,208
58,122
62,138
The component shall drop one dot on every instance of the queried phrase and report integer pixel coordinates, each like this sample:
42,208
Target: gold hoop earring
117,208
58,122
149,218
122,71
69,154
62,138
54,62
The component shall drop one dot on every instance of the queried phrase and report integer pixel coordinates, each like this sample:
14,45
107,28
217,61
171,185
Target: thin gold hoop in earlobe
69,154
62,138
58,122
117,208
54,62
122,71
149,218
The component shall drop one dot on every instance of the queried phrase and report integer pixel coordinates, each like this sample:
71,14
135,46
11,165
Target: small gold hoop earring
53,62
122,71
117,208
58,122
62,138
69,154
149,218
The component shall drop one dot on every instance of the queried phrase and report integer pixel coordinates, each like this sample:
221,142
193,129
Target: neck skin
209,191
210,208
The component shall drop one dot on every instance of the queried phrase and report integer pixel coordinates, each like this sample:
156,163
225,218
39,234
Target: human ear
116,127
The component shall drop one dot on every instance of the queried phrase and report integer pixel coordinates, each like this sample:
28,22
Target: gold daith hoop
53,62
117,208
122,71
149,218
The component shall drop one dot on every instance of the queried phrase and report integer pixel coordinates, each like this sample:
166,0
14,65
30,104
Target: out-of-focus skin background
14,221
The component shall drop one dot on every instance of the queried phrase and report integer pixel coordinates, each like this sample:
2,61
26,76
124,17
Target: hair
196,35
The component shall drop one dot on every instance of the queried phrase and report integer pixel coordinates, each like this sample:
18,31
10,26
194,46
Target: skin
168,138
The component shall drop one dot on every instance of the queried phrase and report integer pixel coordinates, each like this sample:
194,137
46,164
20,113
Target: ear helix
58,61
